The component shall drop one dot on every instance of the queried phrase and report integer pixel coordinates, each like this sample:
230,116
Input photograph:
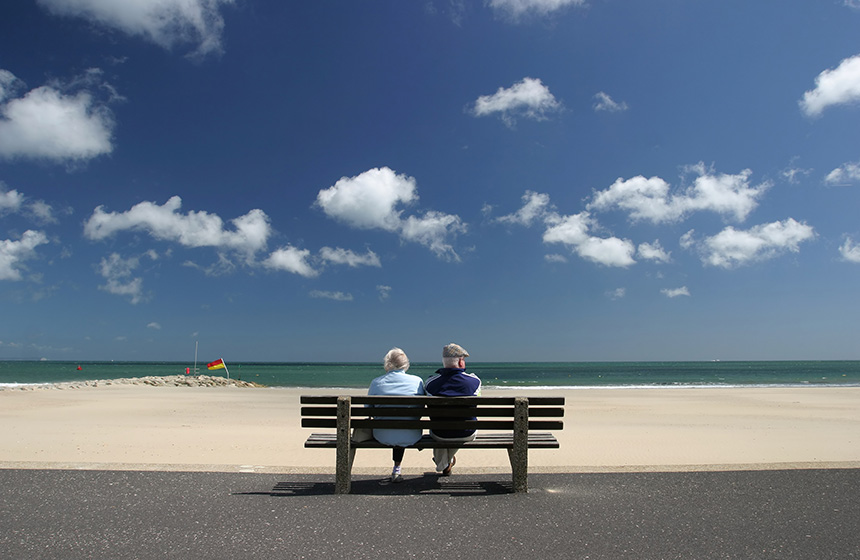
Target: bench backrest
491,413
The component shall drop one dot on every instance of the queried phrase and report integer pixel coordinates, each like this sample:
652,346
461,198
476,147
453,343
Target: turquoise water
519,375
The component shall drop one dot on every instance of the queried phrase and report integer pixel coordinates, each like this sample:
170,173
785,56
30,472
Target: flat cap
454,351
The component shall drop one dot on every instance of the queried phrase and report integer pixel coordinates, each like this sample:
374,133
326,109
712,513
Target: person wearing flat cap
451,381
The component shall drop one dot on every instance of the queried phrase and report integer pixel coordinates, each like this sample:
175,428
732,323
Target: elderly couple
449,381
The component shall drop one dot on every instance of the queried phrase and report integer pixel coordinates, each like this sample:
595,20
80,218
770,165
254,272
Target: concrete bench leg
345,450
519,453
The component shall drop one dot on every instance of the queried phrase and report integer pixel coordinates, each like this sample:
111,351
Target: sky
536,180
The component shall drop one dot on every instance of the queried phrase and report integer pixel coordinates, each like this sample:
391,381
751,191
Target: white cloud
370,201
605,103
194,229
555,258
432,230
836,86
9,83
573,231
10,201
617,293
650,199
384,292
13,253
119,275
654,252
347,257
528,98
515,9
845,174
850,251
732,247
48,123
336,296
154,326
673,293
291,259
535,207
163,22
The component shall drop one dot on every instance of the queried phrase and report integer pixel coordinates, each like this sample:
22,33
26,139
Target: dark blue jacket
453,382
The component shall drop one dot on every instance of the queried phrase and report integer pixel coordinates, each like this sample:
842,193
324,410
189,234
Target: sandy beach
231,429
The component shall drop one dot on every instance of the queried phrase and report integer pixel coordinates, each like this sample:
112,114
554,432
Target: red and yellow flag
217,364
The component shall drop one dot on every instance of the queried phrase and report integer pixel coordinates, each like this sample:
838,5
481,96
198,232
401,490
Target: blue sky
555,180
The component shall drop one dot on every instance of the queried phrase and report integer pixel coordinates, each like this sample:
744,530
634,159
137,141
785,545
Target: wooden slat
450,411
487,401
428,424
486,441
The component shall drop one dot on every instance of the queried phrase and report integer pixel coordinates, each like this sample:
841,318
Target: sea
513,375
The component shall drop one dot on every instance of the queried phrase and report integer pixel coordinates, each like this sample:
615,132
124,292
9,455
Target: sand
231,429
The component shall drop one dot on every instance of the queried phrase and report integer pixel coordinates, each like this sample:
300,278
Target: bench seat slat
487,401
537,440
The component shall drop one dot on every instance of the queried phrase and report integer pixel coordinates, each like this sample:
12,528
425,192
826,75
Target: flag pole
225,368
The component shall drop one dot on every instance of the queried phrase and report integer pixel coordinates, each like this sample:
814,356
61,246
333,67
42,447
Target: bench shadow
428,484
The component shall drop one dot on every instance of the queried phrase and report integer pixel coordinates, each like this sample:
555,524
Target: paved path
795,514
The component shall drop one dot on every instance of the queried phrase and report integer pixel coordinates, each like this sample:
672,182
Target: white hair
396,360
451,361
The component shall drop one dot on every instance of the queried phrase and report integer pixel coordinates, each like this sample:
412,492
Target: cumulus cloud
528,98
673,293
193,229
57,122
372,200
846,174
573,231
836,86
792,174
336,296
369,200
850,251
605,103
651,199
119,274
164,22
14,253
516,9
10,201
731,248
654,252
291,259
432,230
535,207
13,202
345,256
154,326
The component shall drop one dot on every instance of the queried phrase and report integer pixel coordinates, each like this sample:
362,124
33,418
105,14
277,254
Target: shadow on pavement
428,484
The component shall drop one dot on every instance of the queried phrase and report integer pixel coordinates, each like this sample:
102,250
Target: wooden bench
515,416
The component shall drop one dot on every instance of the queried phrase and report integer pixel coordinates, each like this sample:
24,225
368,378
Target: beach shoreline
128,426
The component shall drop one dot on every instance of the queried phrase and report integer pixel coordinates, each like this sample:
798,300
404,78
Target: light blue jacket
395,383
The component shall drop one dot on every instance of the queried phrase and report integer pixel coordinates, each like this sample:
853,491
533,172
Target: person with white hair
396,382
451,381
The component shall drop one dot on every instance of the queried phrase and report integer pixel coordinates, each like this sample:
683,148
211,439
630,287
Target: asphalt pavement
789,514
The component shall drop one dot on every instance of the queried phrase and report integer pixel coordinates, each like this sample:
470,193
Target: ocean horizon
518,375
